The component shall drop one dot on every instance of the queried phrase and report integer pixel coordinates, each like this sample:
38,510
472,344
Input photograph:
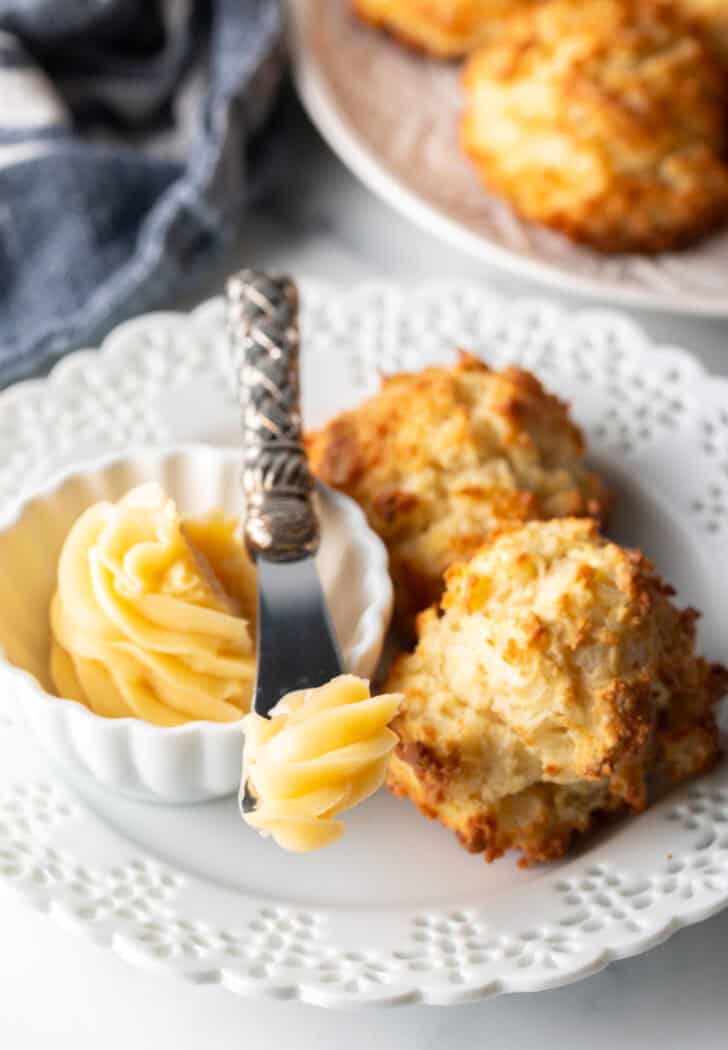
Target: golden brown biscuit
604,119
438,459
444,28
556,676
712,18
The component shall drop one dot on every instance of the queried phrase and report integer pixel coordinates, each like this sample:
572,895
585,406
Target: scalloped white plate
348,75
395,912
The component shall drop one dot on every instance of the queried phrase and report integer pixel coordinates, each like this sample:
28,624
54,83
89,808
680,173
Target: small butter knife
296,646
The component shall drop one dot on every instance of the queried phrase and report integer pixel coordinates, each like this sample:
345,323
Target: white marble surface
59,990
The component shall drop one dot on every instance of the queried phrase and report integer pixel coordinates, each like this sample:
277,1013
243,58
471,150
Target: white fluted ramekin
197,761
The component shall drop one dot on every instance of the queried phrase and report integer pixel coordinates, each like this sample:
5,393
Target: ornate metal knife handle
281,521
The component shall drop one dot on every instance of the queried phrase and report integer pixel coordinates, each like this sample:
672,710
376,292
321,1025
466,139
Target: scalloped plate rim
407,989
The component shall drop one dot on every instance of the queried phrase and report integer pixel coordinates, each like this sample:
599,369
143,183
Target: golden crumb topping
440,458
555,677
711,17
604,119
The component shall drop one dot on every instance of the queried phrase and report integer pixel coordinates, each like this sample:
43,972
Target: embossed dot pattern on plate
618,896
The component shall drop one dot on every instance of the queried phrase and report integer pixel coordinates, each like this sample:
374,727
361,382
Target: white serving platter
395,912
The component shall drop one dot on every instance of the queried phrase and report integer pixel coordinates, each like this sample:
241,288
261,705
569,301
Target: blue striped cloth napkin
128,133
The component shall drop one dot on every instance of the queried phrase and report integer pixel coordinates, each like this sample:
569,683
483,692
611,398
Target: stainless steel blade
297,648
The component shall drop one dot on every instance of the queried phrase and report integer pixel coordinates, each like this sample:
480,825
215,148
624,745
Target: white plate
396,911
391,115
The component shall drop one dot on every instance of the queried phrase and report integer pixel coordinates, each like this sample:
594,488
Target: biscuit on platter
603,119
554,679
443,28
439,458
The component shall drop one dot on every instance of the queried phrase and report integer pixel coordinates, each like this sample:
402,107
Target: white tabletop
64,992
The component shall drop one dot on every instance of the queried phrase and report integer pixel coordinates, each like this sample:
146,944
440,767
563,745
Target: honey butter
151,614
320,753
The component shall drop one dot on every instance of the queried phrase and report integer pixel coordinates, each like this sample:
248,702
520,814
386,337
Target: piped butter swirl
321,752
147,619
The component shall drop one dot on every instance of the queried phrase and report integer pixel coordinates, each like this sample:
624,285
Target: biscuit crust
440,458
604,120
556,677
441,28
711,17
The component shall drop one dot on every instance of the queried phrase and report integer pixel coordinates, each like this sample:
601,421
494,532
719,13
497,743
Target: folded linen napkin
125,156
